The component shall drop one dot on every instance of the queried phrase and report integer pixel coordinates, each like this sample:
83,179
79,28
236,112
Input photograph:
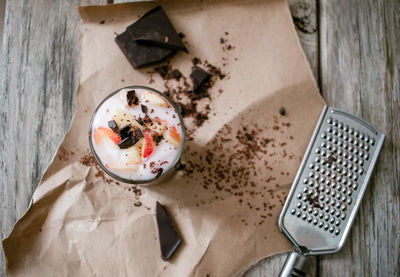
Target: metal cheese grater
328,187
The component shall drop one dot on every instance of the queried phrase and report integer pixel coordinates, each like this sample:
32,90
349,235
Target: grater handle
296,265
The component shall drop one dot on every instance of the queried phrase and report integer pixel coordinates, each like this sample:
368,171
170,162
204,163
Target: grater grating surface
330,183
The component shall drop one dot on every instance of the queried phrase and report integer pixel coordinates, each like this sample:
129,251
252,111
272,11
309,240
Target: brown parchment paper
78,224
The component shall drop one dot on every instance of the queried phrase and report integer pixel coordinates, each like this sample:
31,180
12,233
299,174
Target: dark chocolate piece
140,55
169,237
158,138
199,76
180,166
147,119
140,121
128,142
162,70
139,133
112,125
176,74
282,111
154,28
159,172
130,97
144,108
123,132
136,101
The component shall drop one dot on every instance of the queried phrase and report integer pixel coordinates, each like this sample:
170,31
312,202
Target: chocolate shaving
144,108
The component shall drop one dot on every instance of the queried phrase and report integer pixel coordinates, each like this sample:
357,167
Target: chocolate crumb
180,166
181,35
159,172
140,121
282,111
144,108
102,22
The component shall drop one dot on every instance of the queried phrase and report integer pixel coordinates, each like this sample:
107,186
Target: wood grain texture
39,64
360,59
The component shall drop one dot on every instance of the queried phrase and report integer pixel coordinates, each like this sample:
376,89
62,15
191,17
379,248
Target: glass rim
130,181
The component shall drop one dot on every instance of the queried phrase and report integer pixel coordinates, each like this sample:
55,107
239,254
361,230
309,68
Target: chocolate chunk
136,101
199,76
158,138
128,142
144,108
180,166
140,121
196,61
176,74
147,119
169,237
123,132
139,133
282,111
154,28
113,125
159,172
162,70
130,97
140,55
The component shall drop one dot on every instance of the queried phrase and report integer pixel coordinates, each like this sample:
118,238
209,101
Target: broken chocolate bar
154,28
169,238
128,142
130,97
138,54
199,76
113,125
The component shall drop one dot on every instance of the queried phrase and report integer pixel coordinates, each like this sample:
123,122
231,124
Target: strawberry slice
102,132
147,145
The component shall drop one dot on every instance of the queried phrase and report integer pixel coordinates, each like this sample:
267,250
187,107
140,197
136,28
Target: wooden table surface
353,48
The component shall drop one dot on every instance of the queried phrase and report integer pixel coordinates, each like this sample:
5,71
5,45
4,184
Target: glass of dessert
136,135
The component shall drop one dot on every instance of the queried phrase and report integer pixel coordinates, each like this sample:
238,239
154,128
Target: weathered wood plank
360,48
40,56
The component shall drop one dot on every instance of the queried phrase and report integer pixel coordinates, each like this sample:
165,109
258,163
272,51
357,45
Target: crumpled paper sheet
80,224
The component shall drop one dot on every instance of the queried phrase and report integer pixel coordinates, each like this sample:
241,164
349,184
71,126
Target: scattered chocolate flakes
144,108
168,236
282,111
159,172
162,70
